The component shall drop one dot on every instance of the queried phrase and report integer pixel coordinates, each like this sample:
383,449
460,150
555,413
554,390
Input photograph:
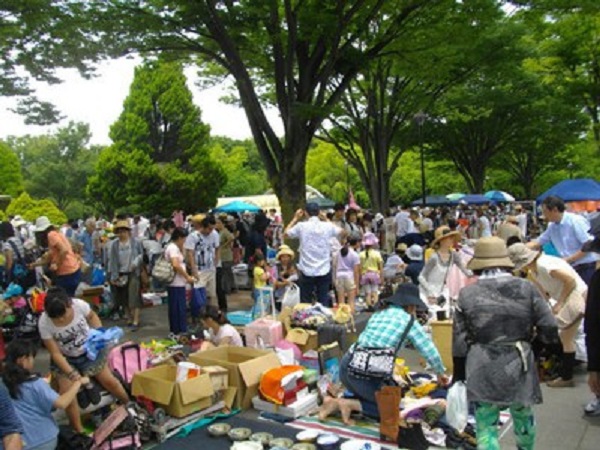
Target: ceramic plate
240,434
355,444
263,438
304,446
218,429
246,445
307,436
281,442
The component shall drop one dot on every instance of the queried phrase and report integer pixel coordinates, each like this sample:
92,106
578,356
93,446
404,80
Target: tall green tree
299,56
11,179
57,165
159,160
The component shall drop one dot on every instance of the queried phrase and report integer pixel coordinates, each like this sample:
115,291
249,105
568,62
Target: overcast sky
99,101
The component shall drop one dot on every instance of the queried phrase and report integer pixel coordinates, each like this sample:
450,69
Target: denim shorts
82,364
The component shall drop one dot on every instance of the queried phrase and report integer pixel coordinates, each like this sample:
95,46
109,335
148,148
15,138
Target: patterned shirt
385,328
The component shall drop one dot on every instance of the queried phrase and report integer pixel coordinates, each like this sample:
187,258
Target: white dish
355,444
307,436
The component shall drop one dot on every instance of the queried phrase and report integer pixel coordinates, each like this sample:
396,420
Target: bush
30,209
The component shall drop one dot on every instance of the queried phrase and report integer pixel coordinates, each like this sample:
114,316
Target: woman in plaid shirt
384,330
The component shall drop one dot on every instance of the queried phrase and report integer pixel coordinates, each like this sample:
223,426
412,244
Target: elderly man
315,250
568,233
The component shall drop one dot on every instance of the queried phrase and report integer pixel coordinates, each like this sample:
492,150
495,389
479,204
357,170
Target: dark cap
312,209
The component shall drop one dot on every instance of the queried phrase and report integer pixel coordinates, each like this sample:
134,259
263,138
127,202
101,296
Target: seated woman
32,396
221,333
64,327
385,329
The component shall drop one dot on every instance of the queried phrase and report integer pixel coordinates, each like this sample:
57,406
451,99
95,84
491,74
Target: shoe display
561,383
593,408
82,398
94,393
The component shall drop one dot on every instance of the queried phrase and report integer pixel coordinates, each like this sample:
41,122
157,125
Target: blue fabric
177,309
100,338
568,236
34,408
579,189
69,282
88,247
9,420
198,301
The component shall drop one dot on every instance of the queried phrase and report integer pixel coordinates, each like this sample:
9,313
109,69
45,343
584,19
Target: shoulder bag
376,363
163,270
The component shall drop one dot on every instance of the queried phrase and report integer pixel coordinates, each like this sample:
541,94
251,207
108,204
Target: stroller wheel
159,416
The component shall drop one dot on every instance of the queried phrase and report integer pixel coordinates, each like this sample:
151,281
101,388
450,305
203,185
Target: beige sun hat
42,223
490,252
443,232
122,224
285,250
521,255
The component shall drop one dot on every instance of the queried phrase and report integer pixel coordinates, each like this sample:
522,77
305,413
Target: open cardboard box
305,339
245,366
178,399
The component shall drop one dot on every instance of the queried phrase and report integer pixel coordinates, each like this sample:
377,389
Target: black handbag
375,363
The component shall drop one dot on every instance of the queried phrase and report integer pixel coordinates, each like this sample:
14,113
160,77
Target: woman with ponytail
221,332
33,398
347,273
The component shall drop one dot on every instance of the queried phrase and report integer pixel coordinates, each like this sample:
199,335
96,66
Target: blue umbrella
499,196
237,206
475,199
581,189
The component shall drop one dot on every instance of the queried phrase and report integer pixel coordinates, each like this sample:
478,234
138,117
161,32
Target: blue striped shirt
385,328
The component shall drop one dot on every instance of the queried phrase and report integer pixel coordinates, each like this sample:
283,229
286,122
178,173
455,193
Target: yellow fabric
258,274
423,390
270,383
372,263
428,253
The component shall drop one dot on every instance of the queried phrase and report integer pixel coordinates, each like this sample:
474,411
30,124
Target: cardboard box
305,339
441,335
177,399
245,367
219,376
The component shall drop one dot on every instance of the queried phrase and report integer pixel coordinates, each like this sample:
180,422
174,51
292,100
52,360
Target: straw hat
521,255
42,224
370,239
122,224
443,232
490,252
285,250
198,218
401,247
512,219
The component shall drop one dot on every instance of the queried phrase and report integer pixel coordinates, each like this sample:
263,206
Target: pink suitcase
106,436
263,333
127,360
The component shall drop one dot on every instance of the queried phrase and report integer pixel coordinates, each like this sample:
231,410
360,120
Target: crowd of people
510,288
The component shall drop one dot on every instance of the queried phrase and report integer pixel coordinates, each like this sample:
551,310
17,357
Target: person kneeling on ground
32,396
384,329
64,328
221,332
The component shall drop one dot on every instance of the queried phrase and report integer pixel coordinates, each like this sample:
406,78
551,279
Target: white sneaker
593,407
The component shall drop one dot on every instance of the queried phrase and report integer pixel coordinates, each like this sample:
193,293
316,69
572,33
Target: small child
371,264
260,275
32,397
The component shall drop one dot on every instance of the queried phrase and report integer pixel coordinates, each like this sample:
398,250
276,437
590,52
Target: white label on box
302,393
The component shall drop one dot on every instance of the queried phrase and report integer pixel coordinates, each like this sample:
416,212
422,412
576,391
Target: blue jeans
321,284
69,282
177,309
363,390
199,301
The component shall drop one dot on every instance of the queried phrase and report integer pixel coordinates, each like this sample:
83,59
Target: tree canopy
11,179
159,160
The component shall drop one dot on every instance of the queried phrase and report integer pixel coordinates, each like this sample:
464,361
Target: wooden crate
441,334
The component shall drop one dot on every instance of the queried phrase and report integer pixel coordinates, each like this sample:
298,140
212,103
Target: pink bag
263,333
107,437
128,359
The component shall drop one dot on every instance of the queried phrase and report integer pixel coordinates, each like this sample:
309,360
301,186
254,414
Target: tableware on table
307,436
328,441
304,446
263,438
218,429
281,442
240,434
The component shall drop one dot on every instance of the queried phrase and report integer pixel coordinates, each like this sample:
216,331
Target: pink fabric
456,279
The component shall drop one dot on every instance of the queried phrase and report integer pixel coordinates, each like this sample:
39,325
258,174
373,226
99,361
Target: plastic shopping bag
457,409
291,297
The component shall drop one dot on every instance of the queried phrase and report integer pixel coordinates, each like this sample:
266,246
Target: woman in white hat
562,283
495,321
371,269
60,258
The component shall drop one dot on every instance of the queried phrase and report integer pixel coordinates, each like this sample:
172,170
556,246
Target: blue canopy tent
237,206
499,196
434,200
475,199
577,190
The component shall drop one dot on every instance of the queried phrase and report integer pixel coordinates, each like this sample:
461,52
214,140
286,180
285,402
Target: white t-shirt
546,264
204,248
71,338
486,228
315,245
172,251
227,331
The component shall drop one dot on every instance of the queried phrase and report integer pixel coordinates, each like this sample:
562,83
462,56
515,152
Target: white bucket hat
42,224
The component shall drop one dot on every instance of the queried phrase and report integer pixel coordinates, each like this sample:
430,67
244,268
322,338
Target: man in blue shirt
568,232
10,425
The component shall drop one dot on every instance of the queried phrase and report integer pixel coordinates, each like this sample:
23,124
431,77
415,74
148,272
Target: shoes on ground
82,398
94,393
593,408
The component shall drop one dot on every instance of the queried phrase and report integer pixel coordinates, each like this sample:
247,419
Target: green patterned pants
487,416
